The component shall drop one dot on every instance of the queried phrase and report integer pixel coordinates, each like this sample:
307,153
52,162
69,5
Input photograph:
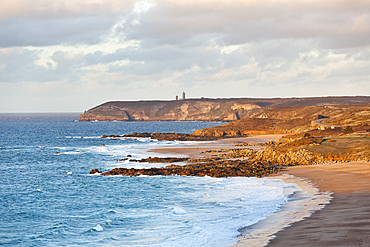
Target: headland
206,109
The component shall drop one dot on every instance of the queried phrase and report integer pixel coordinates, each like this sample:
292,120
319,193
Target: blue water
48,198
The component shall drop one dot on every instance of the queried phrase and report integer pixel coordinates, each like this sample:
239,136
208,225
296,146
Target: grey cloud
18,65
45,9
304,74
330,26
98,57
67,31
274,56
68,67
194,23
165,58
350,72
361,56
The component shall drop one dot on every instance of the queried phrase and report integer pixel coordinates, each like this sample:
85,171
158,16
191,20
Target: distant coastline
205,109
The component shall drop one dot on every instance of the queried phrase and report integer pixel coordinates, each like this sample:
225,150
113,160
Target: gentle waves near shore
48,197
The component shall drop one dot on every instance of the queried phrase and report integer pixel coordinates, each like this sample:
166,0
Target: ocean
48,197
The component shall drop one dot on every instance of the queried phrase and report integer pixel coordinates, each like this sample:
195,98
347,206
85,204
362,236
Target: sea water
48,197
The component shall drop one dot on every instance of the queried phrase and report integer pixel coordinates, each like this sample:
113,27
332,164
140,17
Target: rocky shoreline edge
240,161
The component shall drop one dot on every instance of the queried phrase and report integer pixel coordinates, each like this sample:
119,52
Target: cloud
69,31
48,23
333,25
17,64
97,50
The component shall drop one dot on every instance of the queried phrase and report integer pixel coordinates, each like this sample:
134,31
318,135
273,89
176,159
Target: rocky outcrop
179,136
93,171
227,168
290,158
217,133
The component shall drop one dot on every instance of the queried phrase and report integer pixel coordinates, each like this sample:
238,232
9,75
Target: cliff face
183,110
205,109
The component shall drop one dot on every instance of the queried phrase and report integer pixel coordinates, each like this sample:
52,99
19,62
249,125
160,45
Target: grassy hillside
293,120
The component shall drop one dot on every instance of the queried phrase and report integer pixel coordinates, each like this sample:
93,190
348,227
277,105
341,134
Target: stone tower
183,95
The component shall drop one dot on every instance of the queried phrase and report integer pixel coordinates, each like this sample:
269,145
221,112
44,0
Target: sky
69,56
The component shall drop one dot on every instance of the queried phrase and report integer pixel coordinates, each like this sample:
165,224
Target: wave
197,211
302,202
80,137
98,228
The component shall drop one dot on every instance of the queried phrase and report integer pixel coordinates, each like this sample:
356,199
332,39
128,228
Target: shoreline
301,204
342,189
306,199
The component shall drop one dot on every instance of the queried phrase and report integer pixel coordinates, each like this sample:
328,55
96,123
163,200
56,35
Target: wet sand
343,222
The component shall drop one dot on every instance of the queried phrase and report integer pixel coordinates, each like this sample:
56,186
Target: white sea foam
63,148
81,137
178,211
137,148
113,150
98,228
222,208
73,152
306,200
113,211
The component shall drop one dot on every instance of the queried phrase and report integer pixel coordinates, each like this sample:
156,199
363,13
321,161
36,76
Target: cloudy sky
68,56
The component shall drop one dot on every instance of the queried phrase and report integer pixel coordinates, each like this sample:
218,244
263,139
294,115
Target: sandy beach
343,222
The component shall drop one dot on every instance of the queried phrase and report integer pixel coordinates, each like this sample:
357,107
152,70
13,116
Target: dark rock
93,171
225,168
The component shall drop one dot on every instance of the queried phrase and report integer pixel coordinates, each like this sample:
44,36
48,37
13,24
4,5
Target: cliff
204,109
183,110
